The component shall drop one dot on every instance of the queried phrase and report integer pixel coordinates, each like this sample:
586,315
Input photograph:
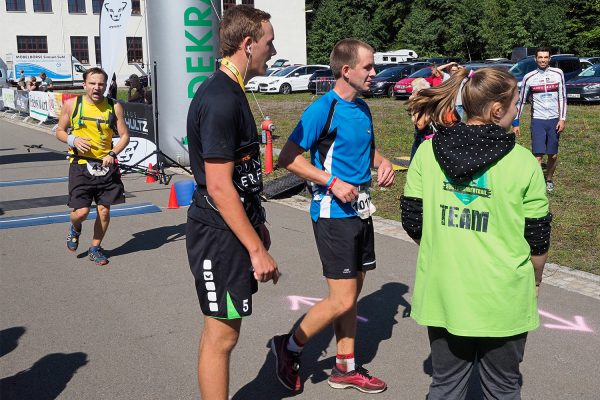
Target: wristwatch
112,154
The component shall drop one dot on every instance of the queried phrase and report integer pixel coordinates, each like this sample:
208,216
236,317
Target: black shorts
222,270
346,246
84,188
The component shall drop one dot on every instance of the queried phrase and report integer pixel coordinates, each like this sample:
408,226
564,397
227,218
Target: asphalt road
129,330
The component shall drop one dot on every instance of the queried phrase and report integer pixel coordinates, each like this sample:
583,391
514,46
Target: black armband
412,216
537,234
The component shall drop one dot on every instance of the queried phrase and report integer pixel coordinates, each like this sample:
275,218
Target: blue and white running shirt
345,152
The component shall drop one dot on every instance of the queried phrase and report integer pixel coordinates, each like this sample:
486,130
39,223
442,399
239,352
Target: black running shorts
346,246
222,270
84,188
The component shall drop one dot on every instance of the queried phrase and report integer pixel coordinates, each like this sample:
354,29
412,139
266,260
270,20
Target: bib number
96,168
362,205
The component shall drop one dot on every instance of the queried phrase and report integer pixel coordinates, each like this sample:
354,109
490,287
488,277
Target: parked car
278,65
381,67
383,83
569,64
444,60
585,86
321,81
252,84
290,79
403,88
474,66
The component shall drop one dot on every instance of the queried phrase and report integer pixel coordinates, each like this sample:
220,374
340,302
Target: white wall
289,22
58,26
287,17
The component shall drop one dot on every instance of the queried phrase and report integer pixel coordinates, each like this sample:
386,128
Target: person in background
112,89
548,108
135,94
33,84
45,83
475,202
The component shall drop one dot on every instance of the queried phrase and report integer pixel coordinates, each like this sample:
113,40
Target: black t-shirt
220,125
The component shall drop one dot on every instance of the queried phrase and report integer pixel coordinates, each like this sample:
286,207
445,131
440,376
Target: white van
394,56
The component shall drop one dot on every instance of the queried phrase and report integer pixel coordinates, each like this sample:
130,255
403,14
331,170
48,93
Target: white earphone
249,49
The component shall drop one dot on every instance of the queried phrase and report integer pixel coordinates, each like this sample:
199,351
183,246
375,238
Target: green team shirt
474,273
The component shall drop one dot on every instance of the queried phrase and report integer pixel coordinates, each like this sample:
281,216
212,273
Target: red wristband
332,182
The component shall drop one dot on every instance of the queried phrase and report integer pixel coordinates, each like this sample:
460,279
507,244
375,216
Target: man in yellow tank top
87,125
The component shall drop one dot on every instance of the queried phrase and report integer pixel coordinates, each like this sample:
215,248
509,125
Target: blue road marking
38,181
58,217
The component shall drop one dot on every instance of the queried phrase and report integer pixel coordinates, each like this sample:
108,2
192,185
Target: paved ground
71,330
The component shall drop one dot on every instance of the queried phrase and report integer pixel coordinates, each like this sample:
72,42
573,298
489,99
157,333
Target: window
97,6
98,52
227,4
135,7
248,2
79,49
32,44
42,5
135,55
77,6
15,5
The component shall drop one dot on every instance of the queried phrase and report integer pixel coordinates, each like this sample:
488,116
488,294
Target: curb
566,278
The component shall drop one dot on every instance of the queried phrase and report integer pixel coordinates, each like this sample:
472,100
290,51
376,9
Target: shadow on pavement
45,380
150,239
377,316
9,339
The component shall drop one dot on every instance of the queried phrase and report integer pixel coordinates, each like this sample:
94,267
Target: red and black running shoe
358,379
287,363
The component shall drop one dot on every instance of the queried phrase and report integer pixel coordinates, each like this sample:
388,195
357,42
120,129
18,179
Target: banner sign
8,97
56,66
38,105
139,121
54,104
184,43
114,17
22,101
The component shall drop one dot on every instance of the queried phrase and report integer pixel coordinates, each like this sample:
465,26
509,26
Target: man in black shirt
226,238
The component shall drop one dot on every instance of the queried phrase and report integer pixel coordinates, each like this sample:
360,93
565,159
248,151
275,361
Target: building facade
72,27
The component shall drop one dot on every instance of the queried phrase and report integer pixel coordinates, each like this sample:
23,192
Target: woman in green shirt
475,201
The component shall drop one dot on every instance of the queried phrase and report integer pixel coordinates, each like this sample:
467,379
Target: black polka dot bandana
465,150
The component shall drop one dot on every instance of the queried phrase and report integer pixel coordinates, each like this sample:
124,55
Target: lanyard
231,66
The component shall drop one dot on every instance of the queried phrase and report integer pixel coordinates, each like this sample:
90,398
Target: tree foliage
472,29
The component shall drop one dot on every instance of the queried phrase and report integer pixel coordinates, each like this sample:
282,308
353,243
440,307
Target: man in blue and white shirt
549,110
337,129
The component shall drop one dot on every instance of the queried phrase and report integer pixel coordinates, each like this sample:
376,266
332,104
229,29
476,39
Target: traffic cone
151,175
173,198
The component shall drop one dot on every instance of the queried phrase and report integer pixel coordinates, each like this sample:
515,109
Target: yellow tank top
92,121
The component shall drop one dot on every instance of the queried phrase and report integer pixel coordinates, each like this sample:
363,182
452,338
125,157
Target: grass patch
575,203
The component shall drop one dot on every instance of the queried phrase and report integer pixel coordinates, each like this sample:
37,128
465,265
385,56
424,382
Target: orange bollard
173,198
268,127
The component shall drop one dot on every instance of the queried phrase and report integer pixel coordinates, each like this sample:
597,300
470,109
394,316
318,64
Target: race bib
362,204
96,168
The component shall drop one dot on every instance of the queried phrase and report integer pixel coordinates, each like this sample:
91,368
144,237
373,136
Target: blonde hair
345,52
480,90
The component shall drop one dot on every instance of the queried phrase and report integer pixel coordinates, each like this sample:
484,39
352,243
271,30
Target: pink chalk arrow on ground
578,324
296,301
